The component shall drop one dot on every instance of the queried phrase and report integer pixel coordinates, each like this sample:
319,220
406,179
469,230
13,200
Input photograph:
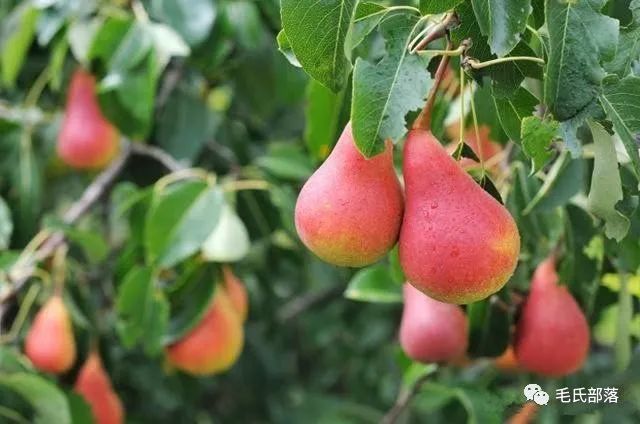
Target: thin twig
423,121
298,305
157,154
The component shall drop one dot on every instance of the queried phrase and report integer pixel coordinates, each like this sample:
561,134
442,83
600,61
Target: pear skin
87,140
349,211
457,243
432,331
552,334
236,291
94,385
50,344
215,344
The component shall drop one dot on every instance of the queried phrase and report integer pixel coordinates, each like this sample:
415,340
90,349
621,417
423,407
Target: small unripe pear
87,140
349,212
50,344
214,344
552,334
236,291
432,331
457,243
94,385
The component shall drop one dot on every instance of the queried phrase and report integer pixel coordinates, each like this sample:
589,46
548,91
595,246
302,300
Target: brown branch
157,154
423,121
298,305
404,398
439,30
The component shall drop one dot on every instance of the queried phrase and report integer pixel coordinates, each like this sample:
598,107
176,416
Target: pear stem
423,121
477,131
462,115
21,317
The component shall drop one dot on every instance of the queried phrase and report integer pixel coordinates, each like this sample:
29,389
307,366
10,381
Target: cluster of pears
86,140
551,334
215,344
457,244
50,346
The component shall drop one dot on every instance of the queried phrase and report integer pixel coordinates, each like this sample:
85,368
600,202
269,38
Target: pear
457,243
552,334
87,140
50,344
432,331
214,344
349,212
229,241
236,291
94,385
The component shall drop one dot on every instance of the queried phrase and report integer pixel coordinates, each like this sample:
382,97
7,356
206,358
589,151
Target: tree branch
157,154
404,398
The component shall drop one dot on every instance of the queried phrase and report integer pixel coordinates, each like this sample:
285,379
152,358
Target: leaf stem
477,131
472,63
462,114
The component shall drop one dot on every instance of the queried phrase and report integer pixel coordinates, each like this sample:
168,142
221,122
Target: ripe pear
552,334
457,243
87,140
50,344
94,385
236,291
214,344
432,331
349,212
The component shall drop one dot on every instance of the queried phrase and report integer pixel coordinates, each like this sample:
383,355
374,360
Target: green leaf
81,34
502,21
374,284
105,39
512,110
6,225
79,408
180,220
569,128
16,36
580,38
383,93
167,43
190,298
437,6
627,53
192,19
325,118
621,101
286,161
229,241
143,311
606,187
184,123
49,403
537,135
367,17
317,32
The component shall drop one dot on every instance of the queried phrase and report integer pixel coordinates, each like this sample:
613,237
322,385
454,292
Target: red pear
552,334
94,385
457,243
214,344
50,344
236,291
349,211
87,140
432,331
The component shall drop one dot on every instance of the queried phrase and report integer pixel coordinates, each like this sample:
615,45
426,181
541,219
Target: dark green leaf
537,135
317,32
489,326
47,400
502,21
606,189
621,101
580,39
367,17
383,93
374,284
512,110
143,310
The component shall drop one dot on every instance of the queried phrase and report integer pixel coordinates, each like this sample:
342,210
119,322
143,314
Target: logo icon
534,392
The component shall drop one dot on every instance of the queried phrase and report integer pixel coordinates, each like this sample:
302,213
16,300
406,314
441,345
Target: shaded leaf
489,326
438,6
192,19
326,115
502,21
512,110
49,403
